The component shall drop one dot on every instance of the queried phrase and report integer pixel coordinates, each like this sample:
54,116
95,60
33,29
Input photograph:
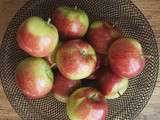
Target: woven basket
122,13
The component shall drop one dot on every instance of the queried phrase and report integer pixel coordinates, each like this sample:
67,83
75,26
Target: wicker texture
123,14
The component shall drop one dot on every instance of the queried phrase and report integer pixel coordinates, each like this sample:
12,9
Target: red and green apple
63,87
76,59
37,37
51,59
111,85
87,104
101,35
126,57
34,77
70,22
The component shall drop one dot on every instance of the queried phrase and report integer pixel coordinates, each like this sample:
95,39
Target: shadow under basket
125,15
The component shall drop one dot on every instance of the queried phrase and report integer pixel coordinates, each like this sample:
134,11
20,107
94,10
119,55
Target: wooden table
150,8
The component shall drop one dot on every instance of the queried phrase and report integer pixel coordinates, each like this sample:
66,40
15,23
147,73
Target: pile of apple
66,51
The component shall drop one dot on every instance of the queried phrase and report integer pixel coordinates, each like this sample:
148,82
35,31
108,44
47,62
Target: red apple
126,57
87,104
71,22
37,37
76,59
111,85
63,87
101,35
101,61
34,77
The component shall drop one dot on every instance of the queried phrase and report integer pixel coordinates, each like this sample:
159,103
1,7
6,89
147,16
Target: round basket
125,15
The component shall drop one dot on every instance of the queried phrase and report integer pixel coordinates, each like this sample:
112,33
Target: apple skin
98,65
101,62
101,35
70,22
63,87
87,104
76,59
51,59
34,78
126,57
110,84
37,37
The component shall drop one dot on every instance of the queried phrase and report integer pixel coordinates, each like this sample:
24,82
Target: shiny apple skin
63,87
36,37
34,78
76,59
110,84
101,62
87,104
51,59
101,35
71,22
126,57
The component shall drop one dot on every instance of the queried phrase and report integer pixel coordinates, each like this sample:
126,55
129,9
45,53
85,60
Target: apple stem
53,65
75,7
119,94
93,97
83,52
49,21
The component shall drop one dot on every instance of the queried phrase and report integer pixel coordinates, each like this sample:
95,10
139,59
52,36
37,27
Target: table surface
150,8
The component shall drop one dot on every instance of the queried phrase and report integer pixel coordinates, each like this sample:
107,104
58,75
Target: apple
37,37
34,77
70,22
63,87
87,104
111,85
76,59
101,61
126,57
98,65
101,35
51,59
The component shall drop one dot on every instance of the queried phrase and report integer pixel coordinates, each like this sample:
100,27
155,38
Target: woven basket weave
125,15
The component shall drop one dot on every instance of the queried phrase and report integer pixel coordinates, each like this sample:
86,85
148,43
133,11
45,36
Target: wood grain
150,8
